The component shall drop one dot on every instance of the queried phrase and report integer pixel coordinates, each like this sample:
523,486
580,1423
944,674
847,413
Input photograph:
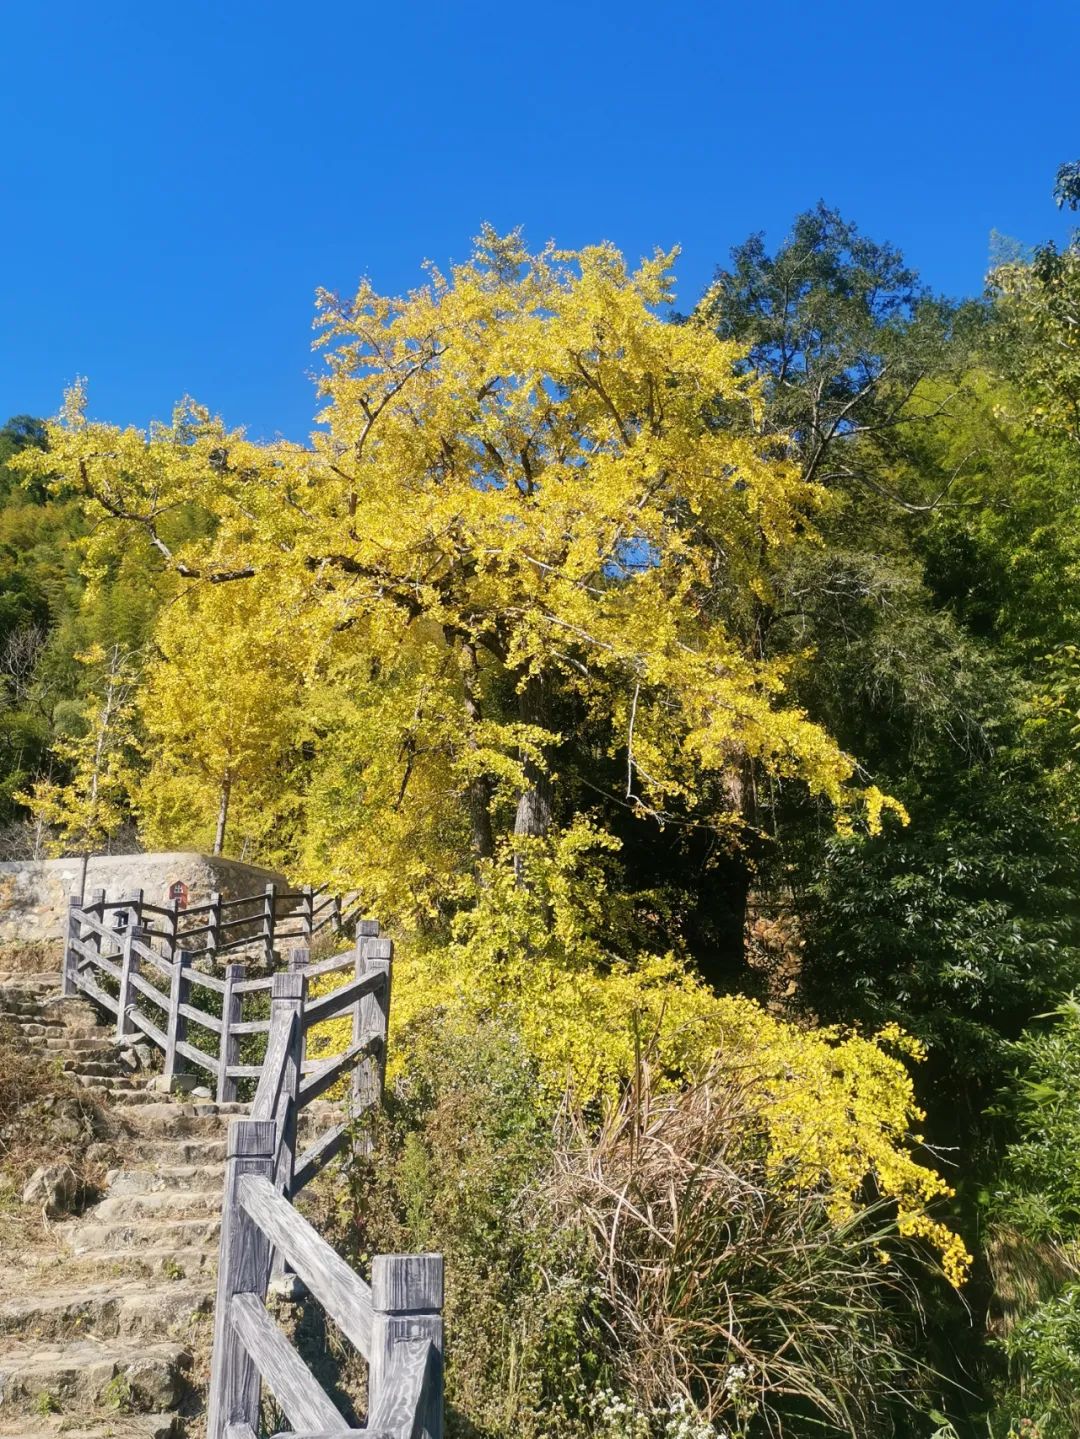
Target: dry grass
718,1287
32,956
45,1119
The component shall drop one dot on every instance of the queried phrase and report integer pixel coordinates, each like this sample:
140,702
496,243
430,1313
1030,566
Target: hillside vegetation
697,699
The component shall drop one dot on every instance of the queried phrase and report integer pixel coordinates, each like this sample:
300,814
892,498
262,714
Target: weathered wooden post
129,962
407,1297
229,1047
97,908
371,1013
268,923
179,994
335,914
134,908
71,956
307,911
288,995
299,959
243,1268
172,925
213,926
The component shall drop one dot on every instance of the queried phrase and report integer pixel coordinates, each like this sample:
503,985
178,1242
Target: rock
200,1092
153,1384
180,1084
289,1288
144,1054
53,1186
129,1059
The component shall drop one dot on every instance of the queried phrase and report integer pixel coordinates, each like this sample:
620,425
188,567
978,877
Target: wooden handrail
395,1321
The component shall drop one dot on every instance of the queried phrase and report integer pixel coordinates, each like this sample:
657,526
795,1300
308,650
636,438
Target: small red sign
178,892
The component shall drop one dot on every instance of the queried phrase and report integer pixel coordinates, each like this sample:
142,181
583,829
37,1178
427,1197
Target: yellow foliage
524,504
839,1108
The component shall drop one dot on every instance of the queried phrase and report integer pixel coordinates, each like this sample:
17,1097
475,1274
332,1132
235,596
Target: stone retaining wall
34,893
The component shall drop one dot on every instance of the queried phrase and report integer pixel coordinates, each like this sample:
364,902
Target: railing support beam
243,1268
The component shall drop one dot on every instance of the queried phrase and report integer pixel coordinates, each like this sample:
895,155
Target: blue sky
179,179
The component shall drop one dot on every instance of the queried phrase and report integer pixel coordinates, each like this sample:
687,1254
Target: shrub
639,1272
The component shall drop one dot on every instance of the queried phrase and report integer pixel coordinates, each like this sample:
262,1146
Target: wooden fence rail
217,926
395,1321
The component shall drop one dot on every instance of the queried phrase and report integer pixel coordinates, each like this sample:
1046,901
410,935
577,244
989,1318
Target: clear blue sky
179,178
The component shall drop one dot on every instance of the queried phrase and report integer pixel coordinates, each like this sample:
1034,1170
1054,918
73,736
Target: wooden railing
256,924
395,1321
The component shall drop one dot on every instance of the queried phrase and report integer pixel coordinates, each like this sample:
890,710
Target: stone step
157,1153
158,1204
107,1086
125,1309
145,1234
182,1177
110,1068
165,1120
177,1264
94,1374
122,1426
83,1044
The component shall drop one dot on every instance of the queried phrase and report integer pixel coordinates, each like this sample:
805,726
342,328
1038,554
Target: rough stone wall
34,893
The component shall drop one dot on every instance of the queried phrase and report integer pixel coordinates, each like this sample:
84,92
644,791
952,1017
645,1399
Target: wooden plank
240,1431
213,936
405,1377
179,994
249,986
148,1027
337,1287
245,1071
328,1006
92,957
252,1026
124,1002
327,1147
95,992
269,920
151,956
286,1375
327,966
329,1073
229,1049
371,1017
243,1267
200,1016
401,1410
107,966
71,940
201,980
144,986
206,1061
273,1068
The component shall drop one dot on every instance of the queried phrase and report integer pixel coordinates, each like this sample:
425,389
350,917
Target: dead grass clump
721,1288
45,1120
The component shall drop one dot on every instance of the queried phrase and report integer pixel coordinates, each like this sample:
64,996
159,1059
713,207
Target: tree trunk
479,792
535,803
223,813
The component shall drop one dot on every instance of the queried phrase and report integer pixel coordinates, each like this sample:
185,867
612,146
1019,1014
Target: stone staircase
105,1325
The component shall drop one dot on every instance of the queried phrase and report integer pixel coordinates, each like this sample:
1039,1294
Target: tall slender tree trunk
479,793
535,805
223,813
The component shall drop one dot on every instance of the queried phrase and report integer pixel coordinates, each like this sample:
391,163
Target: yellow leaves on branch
526,474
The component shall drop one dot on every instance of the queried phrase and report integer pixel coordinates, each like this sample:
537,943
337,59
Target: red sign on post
178,893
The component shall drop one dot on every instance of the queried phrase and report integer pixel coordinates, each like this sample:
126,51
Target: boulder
53,1187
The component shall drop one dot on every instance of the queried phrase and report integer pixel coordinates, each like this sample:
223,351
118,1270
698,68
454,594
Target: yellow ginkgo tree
525,519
